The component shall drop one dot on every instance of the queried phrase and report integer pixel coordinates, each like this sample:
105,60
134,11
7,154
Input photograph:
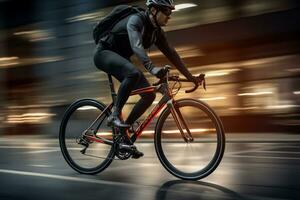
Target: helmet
161,3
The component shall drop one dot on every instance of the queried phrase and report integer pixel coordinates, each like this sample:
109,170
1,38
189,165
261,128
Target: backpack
103,28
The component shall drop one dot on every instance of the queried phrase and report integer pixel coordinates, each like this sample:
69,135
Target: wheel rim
190,160
97,155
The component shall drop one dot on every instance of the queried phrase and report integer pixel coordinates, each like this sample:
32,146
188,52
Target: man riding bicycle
132,35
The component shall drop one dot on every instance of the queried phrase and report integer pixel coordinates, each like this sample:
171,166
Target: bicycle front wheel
74,128
190,160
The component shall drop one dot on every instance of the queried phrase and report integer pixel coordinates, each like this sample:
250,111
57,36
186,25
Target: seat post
112,89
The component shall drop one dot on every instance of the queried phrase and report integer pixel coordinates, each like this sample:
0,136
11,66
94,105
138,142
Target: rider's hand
159,72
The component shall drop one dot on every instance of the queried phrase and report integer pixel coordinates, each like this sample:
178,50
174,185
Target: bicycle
198,129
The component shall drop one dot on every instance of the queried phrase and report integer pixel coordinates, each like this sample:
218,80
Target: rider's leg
122,69
144,103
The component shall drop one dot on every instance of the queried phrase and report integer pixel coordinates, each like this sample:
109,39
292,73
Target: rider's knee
135,74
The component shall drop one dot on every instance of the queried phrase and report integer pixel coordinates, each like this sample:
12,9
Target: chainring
121,154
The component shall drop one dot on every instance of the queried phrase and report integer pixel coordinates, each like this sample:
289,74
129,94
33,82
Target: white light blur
29,118
103,133
9,64
294,70
202,130
9,61
281,106
182,6
88,108
36,35
254,93
148,132
245,108
212,98
87,16
8,58
220,72
296,92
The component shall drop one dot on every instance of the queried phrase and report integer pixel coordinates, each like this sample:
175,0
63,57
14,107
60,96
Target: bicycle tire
220,146
62,137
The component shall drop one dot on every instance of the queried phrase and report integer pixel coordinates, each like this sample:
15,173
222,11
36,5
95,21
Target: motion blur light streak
184,6
221,72
9,61
296,92
88,16
213,98
19,62
282,106
245,108
36,35
148,132
29,118
294,70
184,52
254,93
103,133
88,108
8,58
202,130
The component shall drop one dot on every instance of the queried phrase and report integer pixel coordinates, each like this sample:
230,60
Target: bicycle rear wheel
72,137
190,160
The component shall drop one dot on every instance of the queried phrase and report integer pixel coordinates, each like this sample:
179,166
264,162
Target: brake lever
202,82
204,85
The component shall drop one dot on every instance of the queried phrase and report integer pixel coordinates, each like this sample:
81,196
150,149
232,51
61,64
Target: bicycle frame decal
143,90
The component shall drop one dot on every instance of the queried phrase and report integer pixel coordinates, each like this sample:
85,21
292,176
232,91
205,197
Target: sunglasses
166,11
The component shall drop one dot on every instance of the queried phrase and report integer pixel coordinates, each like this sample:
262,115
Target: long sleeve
135,28
172,54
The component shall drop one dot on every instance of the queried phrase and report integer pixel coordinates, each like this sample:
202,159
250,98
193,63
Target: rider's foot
137,154
132,149
114,120
128,145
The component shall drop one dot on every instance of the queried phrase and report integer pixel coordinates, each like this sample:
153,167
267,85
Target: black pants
131,78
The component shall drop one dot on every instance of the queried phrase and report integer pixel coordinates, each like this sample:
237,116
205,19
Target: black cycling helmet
161,3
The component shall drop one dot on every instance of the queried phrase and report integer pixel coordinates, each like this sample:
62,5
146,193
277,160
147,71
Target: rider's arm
172,54
135,27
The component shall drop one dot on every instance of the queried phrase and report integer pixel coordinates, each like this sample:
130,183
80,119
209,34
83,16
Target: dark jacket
134,34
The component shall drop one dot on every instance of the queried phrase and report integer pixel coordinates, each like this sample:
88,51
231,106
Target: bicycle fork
180,122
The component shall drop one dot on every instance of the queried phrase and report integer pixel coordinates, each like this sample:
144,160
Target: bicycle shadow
180,189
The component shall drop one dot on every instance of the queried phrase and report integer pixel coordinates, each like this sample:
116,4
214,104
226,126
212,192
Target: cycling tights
131,78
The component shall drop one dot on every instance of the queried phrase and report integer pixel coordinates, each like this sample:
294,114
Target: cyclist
132,35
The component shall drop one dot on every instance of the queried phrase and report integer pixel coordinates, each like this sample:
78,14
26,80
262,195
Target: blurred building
248,49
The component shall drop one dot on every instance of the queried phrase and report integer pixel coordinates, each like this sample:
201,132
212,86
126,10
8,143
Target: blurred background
248,49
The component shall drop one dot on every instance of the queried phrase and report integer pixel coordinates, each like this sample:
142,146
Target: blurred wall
249,51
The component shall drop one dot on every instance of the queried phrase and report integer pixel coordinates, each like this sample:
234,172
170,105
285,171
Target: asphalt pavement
255,166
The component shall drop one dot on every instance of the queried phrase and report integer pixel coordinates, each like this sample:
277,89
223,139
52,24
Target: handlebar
200,80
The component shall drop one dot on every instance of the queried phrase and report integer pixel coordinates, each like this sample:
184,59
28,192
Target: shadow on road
178,189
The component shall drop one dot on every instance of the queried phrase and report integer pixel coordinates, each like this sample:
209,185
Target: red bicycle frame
166,99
